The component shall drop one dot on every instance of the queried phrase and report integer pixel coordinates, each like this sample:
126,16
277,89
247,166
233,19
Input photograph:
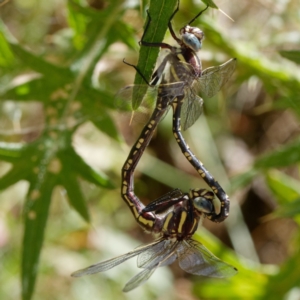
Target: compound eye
203,205
197,32
191,41
192,37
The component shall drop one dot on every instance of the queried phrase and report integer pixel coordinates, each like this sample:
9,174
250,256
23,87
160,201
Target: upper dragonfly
177,83
180,73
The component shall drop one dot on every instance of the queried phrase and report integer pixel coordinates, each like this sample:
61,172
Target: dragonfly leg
199,167
170,24
198,15
166,201
149,44
139,72
145,219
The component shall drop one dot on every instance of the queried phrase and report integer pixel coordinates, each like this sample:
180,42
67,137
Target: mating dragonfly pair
175,216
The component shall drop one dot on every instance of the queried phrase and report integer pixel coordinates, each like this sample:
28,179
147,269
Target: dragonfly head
192,37
202,200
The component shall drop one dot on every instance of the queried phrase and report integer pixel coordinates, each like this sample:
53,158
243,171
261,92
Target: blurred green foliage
61,139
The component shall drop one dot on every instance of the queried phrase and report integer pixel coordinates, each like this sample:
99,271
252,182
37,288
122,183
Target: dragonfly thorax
182,221
192,37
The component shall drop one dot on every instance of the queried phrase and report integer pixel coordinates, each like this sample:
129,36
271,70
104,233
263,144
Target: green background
63,143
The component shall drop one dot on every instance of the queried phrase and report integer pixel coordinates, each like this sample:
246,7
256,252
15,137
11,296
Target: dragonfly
177,82
175,216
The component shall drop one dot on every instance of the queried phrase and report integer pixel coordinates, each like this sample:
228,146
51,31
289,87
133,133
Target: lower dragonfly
175,216
176,82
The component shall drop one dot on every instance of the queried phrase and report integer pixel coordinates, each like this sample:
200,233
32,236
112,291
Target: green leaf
160,12
284,156
210,3
98,40
242,180
78,21
71,158
10,151
6,57
35,215
247,279
77,201
284,187
106,125
288,102
286,280
17,173
288,210
293,55
40,65
37,89
125,33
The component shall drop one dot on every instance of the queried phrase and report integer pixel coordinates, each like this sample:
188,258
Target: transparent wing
162,253
214,78
108,264
123,98
191,110
164,202
123,101
196,259
139,279
152,260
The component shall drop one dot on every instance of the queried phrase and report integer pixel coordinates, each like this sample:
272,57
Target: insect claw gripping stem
197,16
137,70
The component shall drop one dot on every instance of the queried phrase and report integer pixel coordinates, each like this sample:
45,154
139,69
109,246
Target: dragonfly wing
162,253
140,278
123,98
165,201
214,78
196,259
191,110
157,75
108,264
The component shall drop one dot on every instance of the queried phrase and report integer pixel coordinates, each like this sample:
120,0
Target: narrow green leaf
37,89
288,210
35,215
40,65
293,55
6,55
287,279
99,33
10,151
78,22
17,173
106,125
71,158
242,180
70,182
125,33
284,187
77,9
282,157
210,3
93,97
160,12
288,102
